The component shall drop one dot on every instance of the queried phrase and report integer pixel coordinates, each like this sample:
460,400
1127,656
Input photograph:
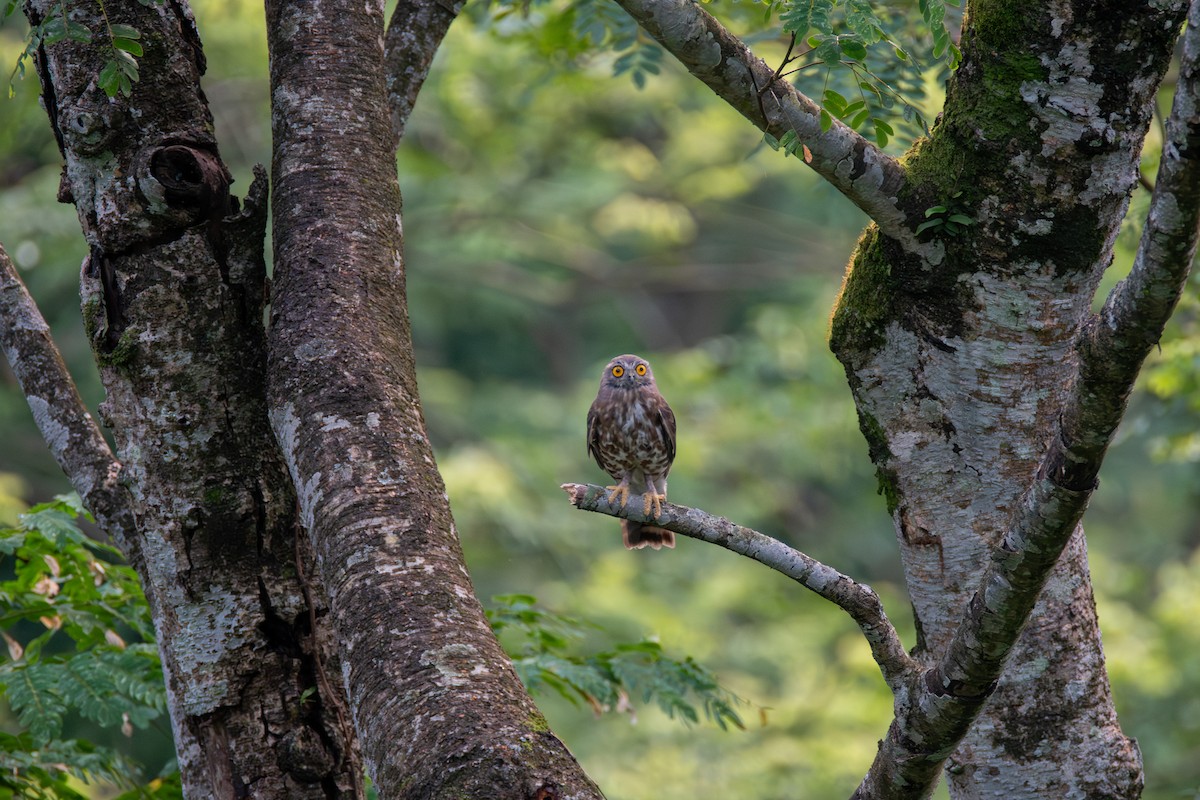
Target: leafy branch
120,69
541,644
79,640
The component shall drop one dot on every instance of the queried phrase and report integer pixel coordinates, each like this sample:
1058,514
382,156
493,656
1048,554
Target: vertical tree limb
437,706
1112,347
173,294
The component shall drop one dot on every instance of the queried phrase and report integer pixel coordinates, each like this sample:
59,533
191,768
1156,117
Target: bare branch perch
870,178
856,599
70,432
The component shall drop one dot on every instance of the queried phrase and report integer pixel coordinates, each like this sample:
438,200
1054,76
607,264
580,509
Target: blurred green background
556,216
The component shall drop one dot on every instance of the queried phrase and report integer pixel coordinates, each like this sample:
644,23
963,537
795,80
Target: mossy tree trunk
961,358
173,297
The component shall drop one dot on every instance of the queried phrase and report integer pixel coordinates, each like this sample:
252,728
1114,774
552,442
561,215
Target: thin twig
856,599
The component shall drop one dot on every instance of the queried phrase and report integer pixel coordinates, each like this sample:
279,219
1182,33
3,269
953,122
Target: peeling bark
173,297
436,703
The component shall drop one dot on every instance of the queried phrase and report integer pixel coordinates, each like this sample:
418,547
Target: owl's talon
620,490
653,501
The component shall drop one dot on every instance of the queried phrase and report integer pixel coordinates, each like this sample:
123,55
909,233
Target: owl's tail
638,535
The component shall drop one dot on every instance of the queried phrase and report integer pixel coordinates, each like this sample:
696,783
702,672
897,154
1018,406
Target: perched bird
631,434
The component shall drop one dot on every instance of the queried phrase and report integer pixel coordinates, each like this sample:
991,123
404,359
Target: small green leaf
933,223
515,599
78,32
961,219
124,31
853,49
54,30
826,121
932,210
860,118
128,45
771,141
833,101
883,126
109,78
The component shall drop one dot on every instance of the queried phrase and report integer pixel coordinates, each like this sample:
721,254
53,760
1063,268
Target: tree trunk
437,706
960,362
173,297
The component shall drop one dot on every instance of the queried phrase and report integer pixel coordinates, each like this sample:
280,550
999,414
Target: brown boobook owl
631,434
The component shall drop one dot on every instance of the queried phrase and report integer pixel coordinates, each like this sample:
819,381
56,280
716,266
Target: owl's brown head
627,372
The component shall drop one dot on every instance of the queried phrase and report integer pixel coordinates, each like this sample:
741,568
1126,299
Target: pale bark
413,36
961,374
437,706
173,294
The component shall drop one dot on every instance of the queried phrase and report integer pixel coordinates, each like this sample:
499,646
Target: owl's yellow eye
618,371
640,369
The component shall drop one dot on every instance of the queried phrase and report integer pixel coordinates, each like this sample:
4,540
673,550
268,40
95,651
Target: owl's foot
654,501
620,490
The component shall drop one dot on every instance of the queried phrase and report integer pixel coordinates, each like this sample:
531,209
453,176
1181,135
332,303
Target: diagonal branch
1111,350
856,599
413,36
74,438
870,178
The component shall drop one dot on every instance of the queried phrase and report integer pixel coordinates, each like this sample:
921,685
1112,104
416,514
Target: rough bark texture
436,703
173,297
986,390
413,36
961,369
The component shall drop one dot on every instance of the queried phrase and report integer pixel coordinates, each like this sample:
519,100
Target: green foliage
540,643
867,78
122,48
948,219
865,74
67,614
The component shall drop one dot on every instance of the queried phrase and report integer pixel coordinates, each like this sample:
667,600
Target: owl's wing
593,434
666,425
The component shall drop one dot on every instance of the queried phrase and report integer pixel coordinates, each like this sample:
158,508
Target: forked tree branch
856,599
1111,350
70,432
870,178
414,33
